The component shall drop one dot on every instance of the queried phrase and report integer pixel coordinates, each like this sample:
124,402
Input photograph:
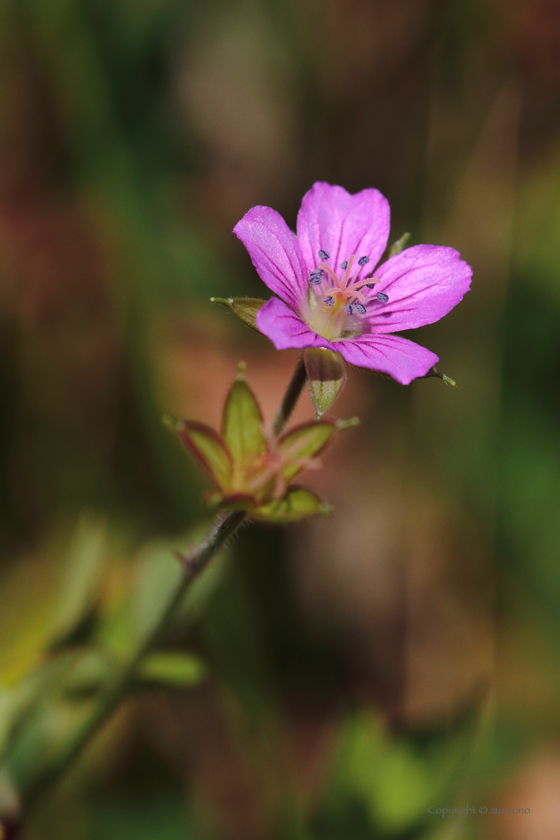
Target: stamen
315,279
371,285
354,287
363,261
329,300
344,265
382,297
346,277
323,255
360,308
332,274
349,309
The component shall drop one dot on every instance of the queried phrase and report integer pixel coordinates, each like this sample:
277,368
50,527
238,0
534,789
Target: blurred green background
346,674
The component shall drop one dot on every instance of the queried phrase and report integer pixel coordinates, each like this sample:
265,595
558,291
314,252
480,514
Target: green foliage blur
336,679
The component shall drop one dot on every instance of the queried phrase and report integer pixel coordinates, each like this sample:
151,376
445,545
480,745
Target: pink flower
330,294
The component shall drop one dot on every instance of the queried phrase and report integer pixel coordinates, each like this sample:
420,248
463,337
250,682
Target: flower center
337,304
270,465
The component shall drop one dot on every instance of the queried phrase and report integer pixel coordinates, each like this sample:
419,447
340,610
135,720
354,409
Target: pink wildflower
331,295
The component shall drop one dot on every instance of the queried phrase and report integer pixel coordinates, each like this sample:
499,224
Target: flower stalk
291,397
193,563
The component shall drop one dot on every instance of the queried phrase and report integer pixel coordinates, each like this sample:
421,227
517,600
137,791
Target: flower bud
245,308
326,375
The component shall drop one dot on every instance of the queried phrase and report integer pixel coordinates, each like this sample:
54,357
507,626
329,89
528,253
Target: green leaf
209,450
396,779
91,671
326,376
9,708
242,422
172,669
298,503
86,561
245,308
157,576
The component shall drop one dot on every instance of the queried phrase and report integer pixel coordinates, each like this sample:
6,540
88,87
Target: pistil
343,298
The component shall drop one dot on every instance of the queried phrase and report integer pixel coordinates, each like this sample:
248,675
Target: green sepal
232,501
446,379
213,498
242,422
304,442
296,504
245,308
209,450
326,376
172,669
399,245
238,501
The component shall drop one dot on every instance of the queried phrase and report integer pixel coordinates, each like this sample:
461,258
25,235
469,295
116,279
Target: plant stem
290,397
193,564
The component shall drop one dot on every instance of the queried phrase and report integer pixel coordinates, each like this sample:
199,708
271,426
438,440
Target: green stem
193,563
290,397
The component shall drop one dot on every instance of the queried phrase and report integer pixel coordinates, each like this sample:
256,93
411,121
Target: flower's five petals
286,329
297,504
341,224
333,298
209,450
423,283
274,252
398,357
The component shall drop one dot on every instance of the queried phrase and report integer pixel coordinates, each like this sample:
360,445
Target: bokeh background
348,673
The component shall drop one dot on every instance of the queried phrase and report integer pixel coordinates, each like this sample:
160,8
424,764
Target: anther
329,300
349,309
371,285
344,265
382,297
363,261
324,255
315,280
359,307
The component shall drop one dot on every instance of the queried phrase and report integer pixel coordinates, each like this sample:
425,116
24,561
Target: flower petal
400,358
286,329
342,224
423,283
275,253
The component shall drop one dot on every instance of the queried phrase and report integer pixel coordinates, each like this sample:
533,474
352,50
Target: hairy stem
193,564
